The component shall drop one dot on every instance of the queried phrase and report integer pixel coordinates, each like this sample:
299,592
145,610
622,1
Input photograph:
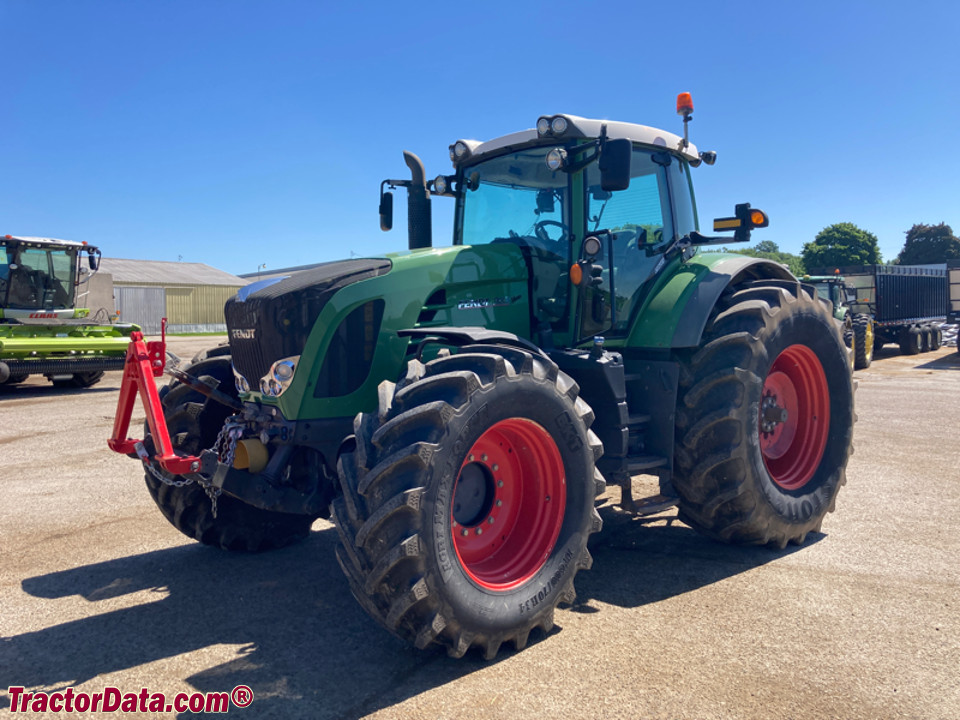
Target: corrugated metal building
189,295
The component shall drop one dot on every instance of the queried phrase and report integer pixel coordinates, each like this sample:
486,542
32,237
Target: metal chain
226,448
145,458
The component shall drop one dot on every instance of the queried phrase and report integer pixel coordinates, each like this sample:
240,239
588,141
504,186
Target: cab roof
41,241
580,127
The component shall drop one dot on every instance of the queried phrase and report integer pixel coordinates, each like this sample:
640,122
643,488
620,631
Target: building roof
167,273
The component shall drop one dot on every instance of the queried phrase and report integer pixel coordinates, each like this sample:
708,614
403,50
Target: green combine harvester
457,410
42,329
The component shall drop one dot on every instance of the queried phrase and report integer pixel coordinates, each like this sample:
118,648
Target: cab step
645,463
651,505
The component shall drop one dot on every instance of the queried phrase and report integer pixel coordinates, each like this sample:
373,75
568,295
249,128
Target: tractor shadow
300,640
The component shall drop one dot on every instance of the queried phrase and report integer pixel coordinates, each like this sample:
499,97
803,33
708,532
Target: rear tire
911,341
194,421
937,338
80,380
745,472
491,439
864,338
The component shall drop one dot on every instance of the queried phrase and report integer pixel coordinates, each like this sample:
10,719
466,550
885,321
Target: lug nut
484,457
499,503
464,532
490,519
499,483
496,467
479,531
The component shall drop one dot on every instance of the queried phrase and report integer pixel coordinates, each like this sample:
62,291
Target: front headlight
276,382
240,381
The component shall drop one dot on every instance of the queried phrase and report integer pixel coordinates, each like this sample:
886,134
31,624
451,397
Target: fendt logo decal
243,334
480,303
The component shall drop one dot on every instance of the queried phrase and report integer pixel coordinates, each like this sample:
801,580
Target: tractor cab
596,208
834,289
547,192
39,276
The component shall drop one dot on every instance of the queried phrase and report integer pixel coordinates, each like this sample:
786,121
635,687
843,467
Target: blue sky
246,133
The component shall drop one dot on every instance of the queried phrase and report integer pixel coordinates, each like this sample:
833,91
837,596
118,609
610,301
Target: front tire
468,500
194,421
765,418
864,339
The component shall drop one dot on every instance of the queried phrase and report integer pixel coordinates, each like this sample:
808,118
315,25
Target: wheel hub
474,496
772,414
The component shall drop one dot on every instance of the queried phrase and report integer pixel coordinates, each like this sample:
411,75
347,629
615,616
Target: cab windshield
36,278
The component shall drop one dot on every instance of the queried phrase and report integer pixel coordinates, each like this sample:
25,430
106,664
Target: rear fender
676,312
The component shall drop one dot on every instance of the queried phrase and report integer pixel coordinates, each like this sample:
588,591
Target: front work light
556,159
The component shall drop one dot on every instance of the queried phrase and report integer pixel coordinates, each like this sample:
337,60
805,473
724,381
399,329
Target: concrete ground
97,590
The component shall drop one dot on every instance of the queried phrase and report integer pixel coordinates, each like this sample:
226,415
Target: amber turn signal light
576,274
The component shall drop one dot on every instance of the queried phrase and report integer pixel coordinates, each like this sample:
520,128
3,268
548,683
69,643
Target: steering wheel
540,230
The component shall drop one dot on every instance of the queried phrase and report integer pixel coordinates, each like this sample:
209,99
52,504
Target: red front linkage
145,361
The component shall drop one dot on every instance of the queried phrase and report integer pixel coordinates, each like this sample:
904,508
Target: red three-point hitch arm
145,361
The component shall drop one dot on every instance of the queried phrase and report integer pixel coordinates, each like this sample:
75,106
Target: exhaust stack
419,221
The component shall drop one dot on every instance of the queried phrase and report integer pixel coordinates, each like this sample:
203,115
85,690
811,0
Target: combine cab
42,329
457,410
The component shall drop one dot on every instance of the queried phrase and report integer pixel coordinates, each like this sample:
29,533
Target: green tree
769,250
929,244
767,246
841,244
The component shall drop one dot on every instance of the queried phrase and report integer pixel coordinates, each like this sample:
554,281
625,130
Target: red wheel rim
508,504
794,417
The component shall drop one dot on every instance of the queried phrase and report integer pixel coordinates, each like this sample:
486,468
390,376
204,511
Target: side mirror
94,262
614,164
641,238
386,211
851,294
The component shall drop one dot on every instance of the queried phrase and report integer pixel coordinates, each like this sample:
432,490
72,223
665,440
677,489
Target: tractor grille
271,320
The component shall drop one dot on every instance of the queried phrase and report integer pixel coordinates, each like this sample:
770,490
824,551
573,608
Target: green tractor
42,329
457,410
858,328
